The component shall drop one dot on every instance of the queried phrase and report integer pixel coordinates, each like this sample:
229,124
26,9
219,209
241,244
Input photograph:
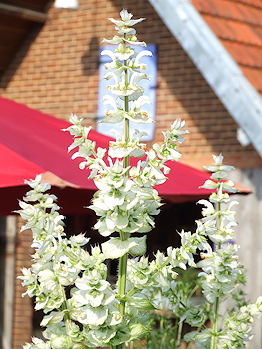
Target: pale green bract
82,309
126,204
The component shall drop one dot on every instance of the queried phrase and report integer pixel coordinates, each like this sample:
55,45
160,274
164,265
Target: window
148,85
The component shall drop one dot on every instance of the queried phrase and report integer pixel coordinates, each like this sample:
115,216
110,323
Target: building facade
56,71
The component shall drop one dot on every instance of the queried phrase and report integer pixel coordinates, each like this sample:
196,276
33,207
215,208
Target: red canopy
38,138
14,167
32,142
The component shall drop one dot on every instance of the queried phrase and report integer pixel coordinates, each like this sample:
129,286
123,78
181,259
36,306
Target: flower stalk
217,300
124,236
82,310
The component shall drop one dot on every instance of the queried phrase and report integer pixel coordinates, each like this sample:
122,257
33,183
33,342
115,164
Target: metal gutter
220,70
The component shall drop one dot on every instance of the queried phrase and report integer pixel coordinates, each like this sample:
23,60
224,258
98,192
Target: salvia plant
69,282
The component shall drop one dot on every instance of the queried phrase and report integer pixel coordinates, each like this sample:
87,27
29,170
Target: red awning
14,167
32,142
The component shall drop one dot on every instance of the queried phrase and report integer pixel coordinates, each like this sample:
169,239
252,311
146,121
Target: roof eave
31,15
222,73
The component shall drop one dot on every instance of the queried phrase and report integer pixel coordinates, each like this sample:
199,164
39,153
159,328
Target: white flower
209,210
116,248
218,166
123,52
137,115
130,89
112,56
115,41
137,64
126,19
47,280
176,131
79,240
86,148
209,184
121,149
52,318
65,271
100,336
112,116
37,344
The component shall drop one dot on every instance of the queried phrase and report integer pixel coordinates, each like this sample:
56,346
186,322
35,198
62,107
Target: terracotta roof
223,38
238,25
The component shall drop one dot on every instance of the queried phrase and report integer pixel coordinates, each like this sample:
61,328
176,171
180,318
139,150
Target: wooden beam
34,16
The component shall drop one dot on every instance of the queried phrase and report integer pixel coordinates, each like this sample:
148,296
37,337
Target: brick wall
56,71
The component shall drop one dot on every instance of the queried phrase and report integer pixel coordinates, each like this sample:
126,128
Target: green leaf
116,248
140,303
52,318
80,346
140,248
198,337
138,331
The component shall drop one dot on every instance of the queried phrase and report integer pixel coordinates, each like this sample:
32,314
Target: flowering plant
82,309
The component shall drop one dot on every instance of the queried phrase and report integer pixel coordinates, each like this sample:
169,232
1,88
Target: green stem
176,330
163,332
179,334
215,325
161,323
66,314
193,291
217,299
123,236
122,281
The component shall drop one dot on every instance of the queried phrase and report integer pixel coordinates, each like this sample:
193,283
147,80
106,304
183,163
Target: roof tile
250,57
235,31
255,77
256,3
234,10
238,24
